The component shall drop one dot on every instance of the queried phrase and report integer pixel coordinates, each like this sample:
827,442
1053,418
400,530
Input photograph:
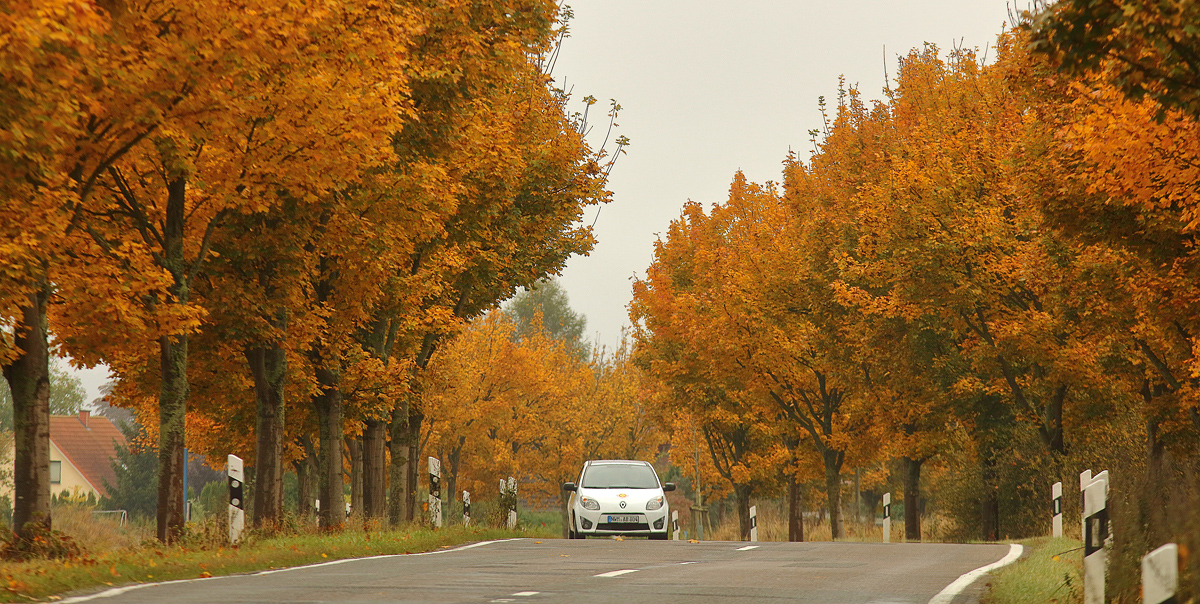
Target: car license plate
627,519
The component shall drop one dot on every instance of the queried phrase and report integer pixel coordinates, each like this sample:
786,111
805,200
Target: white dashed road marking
527,593
616,573
742,549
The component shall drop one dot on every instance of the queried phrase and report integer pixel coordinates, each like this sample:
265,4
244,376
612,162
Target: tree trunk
330,486
1054,438
304,476
398,489
833,490
29,381
912,499
354,448
172,409
989,500
173,389
414,466
374,483
268,365
450,497
380,339
742,493
795,510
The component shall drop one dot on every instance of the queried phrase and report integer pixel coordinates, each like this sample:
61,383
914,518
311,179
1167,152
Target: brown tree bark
450,497
912,499
173,353
354,449
742,494
795,510
413,473
397,504
379,341
374,483
172,409
304,477
268,366
330,486
29,381
989,501
833,491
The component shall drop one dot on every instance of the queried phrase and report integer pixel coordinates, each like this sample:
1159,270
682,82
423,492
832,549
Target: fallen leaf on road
693,541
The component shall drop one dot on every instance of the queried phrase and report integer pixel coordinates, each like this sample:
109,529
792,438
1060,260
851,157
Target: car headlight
655,503
589,503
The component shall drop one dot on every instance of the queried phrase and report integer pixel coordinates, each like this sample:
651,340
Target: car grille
622,526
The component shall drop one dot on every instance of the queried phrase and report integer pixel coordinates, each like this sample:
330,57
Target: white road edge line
947,595
616,573
527,593
742,549
116,591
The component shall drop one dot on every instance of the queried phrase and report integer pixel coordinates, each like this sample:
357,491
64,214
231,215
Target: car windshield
620,476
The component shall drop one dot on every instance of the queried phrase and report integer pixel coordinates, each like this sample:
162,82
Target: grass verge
1051,572
41,580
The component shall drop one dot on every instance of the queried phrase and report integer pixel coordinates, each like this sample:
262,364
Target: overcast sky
710,87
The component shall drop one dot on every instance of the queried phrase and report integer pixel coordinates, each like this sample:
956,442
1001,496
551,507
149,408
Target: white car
618,497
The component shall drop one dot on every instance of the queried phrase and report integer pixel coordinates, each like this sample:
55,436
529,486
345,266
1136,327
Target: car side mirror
569,486
670,486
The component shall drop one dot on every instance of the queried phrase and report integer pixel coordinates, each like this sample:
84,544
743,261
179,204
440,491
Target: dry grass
100,532
772,526
114,555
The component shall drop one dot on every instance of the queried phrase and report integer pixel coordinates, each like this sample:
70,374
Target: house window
55,472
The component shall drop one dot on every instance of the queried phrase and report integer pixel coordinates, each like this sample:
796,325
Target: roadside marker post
1056,494
1160,575
753,523
237,501
1095,524
510,489
887,517
1085,478
435,491
675,525
466,508
1103,475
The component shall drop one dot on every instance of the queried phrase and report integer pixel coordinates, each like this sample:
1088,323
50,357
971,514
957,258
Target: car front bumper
589,522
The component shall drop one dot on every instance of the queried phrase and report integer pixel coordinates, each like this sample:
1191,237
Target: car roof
597,462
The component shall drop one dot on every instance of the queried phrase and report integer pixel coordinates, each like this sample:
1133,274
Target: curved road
599,571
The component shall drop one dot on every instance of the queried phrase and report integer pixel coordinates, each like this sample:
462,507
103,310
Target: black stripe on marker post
1097,531
235,494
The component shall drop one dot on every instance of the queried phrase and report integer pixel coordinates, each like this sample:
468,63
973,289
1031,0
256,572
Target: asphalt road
597,571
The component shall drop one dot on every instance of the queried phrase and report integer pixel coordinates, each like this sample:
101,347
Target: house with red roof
82,448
